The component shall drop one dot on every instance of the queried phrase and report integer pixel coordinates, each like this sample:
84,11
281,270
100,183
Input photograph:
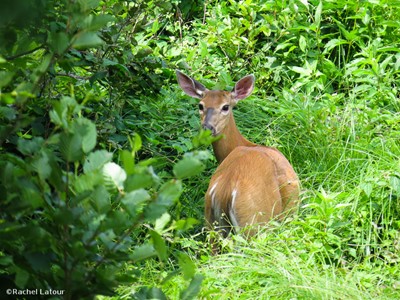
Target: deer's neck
231,138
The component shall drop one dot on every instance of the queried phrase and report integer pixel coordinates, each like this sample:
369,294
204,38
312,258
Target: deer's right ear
190,86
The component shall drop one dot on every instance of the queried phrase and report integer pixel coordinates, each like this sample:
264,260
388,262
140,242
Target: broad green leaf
21,278
159,245
142,252
134,201
59,42
169,192
135,142
41,166
7,113
63,110
138,181
318,13
87,5
146,293
187,167
302,71
161,222
87,182
101,199
395,183
333,43
127,161
94,23
185,224
39,261
5,78
96,160
303,43
87,132
87,40
367,187
108,238
30,147
71,146
193,289
187,266
167,195
42,68
114,175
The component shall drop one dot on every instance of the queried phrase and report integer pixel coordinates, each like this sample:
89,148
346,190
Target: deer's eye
201,107
225,108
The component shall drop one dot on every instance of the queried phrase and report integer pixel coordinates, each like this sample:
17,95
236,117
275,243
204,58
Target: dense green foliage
103,171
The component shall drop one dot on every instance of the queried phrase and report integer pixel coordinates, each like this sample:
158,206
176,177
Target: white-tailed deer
253,183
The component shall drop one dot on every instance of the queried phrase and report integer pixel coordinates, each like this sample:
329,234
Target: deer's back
250,186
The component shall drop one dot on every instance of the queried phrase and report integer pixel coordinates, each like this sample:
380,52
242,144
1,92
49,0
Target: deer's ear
190,86
243,88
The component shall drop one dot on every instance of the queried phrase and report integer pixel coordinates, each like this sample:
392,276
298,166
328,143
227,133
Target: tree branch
24,53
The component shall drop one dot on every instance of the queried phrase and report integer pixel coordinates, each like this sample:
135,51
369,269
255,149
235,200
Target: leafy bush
71,217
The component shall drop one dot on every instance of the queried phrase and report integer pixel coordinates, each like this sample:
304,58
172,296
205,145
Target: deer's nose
209,127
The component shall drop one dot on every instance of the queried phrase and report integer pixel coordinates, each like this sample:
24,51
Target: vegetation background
103,168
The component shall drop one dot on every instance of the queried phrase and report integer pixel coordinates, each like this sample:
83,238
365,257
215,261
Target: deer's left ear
243,88
190,86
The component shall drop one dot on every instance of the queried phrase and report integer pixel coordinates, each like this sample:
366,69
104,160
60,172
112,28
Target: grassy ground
343,243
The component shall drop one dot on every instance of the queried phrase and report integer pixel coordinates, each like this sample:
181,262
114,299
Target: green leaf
367,187
5,78
41,166
108,238
95,23
44,65
63,110
133,201
318,13
169,192
185,224
135,142
114,175
159,245
71,146
303,43
101,199
187,266
143,252
87,131
141,180
187,167
87,182
146,293
167,195
87,40
7,113
39,261
395,183
30,147
193,289
59,42
161,222
127,161
21,278
96,160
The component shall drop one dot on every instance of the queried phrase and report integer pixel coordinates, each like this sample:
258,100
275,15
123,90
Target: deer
252,183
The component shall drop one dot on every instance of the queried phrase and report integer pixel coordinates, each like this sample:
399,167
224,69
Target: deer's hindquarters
245,190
